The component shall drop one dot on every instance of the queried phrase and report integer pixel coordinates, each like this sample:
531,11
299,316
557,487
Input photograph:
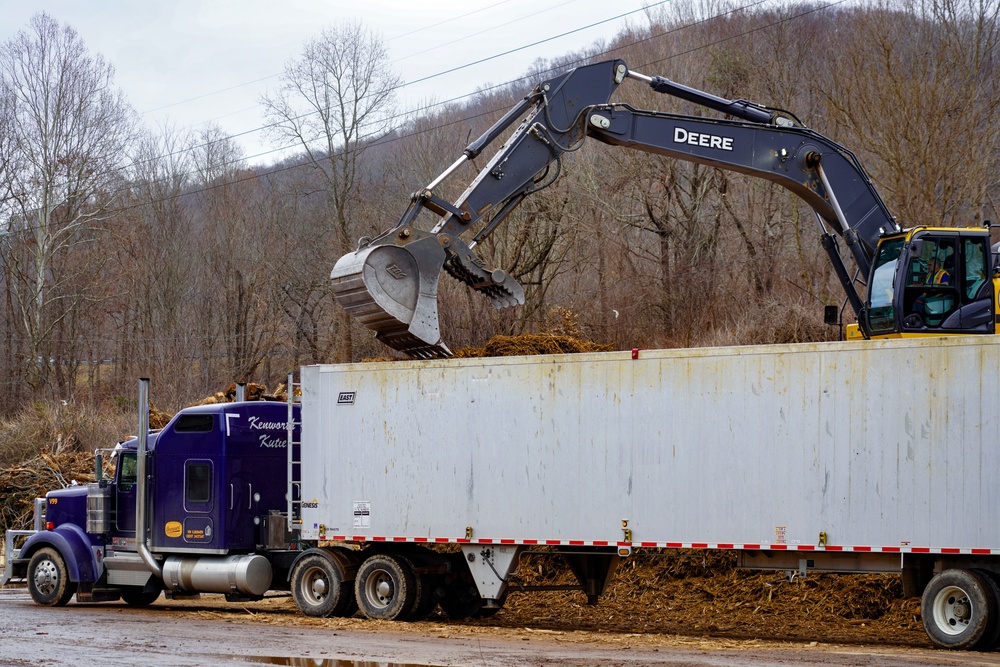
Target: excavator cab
932,281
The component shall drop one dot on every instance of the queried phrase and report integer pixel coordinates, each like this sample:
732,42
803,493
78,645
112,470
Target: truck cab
216,483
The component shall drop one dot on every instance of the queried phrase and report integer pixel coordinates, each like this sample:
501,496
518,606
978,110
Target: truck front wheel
386,587
958,609
48,578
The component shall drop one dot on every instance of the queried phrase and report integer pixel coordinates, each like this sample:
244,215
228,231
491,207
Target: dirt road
210,632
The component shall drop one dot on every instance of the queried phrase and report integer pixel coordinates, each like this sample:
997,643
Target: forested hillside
134,252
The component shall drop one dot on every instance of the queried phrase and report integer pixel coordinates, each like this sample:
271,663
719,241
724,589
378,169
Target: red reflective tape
339,538
751,546
441,539
699,545
806,547
675,545
891,550
508,542
484,540
553,541
531,541
419,539
920,550
982,552
576,543
378,538
951,551
865,549
399,539
601,543
647,544
463,540
359,538
834,547
779,547
726,546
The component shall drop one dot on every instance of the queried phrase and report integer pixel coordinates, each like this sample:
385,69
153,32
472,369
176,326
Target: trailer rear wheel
958,609
319,587
48,579
991,638
386,587
425,601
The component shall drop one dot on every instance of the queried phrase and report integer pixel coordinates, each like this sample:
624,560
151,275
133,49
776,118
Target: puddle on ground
318,662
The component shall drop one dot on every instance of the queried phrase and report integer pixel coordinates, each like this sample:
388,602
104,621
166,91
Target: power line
399,137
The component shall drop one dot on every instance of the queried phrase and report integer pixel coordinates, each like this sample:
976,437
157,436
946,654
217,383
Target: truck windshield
880,294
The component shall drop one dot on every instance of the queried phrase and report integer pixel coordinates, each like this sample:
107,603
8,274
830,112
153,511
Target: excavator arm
390,282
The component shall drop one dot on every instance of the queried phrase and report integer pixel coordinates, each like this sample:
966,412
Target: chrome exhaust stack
141,501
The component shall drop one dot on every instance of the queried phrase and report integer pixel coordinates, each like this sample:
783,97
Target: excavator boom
390,283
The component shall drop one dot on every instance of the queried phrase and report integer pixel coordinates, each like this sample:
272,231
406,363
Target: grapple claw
392,290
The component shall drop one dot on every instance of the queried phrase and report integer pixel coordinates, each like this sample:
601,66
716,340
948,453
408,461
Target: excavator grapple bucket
392,290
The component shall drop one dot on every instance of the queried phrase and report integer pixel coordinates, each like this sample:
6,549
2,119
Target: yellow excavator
921,281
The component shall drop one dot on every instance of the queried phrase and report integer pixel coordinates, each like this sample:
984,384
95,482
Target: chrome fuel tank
248,574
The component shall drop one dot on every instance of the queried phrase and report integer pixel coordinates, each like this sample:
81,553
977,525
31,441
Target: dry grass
57,427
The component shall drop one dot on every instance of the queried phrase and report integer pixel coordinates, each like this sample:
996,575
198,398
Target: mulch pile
703,593
512,346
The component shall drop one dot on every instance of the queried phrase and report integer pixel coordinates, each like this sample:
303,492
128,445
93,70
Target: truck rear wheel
386,587
958,609
48,578
320,587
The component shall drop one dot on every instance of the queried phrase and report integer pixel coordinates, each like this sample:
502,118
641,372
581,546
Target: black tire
386,587
958,609
140,597
426,584
321,586
460,601
991,638
48,579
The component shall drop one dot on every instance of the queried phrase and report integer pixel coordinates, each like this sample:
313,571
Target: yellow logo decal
172,529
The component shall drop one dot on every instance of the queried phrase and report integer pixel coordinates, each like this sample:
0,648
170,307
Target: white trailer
870,456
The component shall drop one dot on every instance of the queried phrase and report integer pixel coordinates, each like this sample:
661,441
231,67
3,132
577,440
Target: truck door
125,474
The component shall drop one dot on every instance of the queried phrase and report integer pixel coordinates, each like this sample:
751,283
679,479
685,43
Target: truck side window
198,482
195,424
126,471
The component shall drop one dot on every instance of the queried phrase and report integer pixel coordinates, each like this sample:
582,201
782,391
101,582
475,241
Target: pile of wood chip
702,592
528,344
21,484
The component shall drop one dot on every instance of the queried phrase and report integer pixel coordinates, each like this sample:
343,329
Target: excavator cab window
881,312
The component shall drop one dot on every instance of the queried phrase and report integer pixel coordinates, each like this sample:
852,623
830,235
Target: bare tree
69,129
237,294
332,101
916,86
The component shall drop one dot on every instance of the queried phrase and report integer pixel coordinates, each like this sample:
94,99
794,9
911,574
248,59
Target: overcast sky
189,62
